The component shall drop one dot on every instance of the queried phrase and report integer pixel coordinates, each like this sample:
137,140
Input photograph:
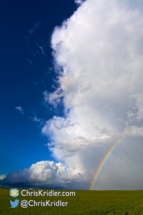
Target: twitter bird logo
14,204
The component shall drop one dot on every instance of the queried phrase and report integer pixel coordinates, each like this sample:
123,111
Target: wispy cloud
30,61
36,119
32,30
41,49
20,109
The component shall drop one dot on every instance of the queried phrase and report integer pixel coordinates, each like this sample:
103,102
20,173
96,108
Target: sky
71,87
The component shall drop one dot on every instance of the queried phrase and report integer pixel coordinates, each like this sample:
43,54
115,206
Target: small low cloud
20,109
47,174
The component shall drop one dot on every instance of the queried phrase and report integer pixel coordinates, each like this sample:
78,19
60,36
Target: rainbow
103,161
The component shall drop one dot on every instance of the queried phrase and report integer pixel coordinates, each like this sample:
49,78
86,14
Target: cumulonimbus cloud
99,56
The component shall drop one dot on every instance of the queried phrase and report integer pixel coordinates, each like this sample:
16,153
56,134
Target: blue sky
25,74
71,87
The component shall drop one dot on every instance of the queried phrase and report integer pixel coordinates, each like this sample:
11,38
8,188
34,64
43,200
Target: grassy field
84,203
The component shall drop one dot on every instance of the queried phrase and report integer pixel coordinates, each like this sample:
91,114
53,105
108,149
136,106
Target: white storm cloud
98,52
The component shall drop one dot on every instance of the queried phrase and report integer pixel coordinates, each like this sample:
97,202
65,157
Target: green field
84,203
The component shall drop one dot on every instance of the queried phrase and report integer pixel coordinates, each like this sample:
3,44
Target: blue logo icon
14,192
14,203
